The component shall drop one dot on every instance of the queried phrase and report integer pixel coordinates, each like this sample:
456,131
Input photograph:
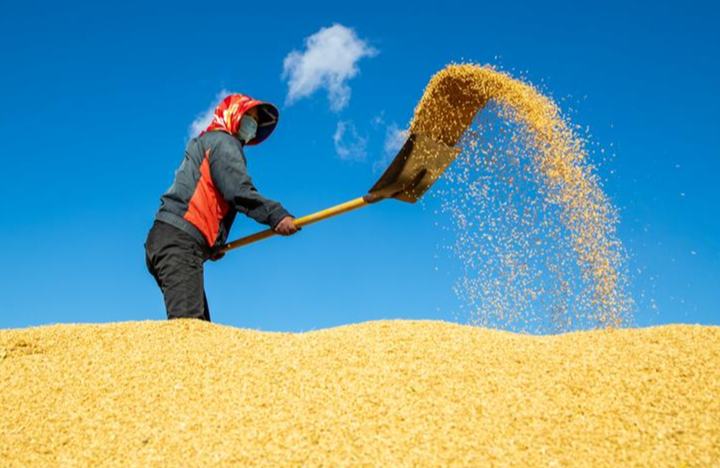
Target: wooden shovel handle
304,221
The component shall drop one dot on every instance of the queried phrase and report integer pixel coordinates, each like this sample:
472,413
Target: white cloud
394,139
348,144
203,119
328,61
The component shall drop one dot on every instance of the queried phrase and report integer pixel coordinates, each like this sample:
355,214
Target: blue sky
97,100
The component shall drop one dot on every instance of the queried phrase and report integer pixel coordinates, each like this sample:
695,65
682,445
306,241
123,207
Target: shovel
418,164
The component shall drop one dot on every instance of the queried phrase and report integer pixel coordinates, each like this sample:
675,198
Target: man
210,187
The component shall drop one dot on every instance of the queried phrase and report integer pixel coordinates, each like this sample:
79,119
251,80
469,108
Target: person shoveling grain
210,187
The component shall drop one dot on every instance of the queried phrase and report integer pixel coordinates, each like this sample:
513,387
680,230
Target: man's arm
229,173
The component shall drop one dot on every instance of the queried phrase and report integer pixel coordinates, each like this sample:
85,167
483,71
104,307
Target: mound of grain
386,392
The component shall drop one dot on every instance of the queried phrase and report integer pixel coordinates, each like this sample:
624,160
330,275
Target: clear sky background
97,100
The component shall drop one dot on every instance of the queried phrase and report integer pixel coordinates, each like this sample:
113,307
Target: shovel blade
418,164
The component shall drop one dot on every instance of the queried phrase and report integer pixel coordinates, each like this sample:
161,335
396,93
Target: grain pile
387,393
531,226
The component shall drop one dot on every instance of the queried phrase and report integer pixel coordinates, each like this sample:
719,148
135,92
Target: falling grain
522,200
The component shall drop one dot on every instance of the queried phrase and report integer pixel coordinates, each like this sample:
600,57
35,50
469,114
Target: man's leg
181,277
176,263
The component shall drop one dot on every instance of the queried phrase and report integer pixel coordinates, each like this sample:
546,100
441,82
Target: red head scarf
229,112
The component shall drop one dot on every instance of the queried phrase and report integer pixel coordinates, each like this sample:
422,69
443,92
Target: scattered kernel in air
523,209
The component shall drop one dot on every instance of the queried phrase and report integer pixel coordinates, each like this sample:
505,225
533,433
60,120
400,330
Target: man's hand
286,226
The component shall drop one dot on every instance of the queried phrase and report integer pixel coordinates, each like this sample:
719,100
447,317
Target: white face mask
247,129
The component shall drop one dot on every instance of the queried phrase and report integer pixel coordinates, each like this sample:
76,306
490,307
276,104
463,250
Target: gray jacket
210,187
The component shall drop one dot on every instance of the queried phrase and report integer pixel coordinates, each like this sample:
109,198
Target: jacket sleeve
229,173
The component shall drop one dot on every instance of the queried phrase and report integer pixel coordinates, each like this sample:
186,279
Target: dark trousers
175,259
